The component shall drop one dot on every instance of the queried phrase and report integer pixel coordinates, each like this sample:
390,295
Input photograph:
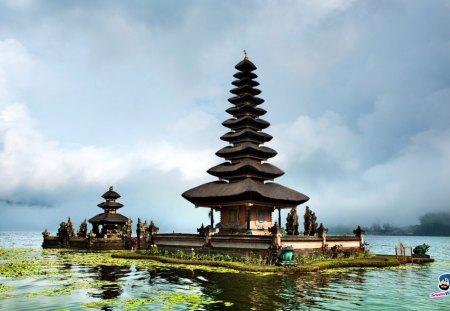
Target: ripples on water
405,288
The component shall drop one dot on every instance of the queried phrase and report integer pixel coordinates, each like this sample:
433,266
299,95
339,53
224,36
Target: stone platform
241,245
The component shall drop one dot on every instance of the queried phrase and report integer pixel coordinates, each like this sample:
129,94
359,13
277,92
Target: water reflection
285,292
377,289
111,276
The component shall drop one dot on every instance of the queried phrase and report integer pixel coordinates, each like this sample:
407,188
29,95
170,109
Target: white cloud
15,63
357,94
317,148
29,159
324,156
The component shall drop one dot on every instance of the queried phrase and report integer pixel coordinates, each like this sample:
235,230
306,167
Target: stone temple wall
233,245
241,245
87,243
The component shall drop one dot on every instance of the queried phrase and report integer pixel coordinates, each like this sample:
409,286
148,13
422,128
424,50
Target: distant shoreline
404,234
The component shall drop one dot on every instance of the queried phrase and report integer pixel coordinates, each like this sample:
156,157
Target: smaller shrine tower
109,220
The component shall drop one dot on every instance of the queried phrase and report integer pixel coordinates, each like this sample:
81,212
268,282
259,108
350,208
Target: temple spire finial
245,55
111,188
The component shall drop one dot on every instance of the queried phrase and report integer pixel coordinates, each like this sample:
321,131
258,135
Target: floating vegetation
4,291
106,280
50,292
163,300
26,267
101,303
15,253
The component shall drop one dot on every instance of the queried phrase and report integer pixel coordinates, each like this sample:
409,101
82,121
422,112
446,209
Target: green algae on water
163,300
4,291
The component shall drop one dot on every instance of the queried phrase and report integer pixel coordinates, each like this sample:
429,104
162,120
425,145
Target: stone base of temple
109,243
233,245
244,245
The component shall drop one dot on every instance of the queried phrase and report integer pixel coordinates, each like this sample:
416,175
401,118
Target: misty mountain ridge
430,224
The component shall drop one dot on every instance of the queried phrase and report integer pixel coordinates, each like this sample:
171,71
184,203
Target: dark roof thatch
111,194
110,205
241,75
246,135
245,89
246,168
246,122
236,100
245,81
247,108
220,192
108,218
248,150
245,65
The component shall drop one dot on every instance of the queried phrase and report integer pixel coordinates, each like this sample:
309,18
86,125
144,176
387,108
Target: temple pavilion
110,221
245,194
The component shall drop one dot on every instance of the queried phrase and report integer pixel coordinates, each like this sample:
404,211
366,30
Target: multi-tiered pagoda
245,194
109,220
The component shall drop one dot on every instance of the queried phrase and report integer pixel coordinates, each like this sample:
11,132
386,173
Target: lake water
145,286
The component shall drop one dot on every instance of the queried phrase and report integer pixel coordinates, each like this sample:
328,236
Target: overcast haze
133,94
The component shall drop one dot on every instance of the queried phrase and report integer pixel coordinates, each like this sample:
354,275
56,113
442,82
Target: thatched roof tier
241,75
110,205
236,100
246,122
245,65
111,194
108,218
246,168
246,150
246,109
246,135
245,89
245,81
110,197
214,194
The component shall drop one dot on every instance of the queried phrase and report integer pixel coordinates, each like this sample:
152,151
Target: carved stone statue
313,224
63,235
307,221
322,231
421,249
201,231
127,229
276,234
69,228
274,229
142,234
152,228
82,232
310,222
92,234
152,231
292,222
46,233
358,231
126,234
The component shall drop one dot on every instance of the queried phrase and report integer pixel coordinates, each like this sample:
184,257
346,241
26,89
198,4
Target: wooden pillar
212,218
248,218
279,217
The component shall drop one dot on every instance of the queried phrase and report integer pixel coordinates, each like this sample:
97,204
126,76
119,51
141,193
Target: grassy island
306,263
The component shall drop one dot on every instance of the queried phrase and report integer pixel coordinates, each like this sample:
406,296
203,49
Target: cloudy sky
133,93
